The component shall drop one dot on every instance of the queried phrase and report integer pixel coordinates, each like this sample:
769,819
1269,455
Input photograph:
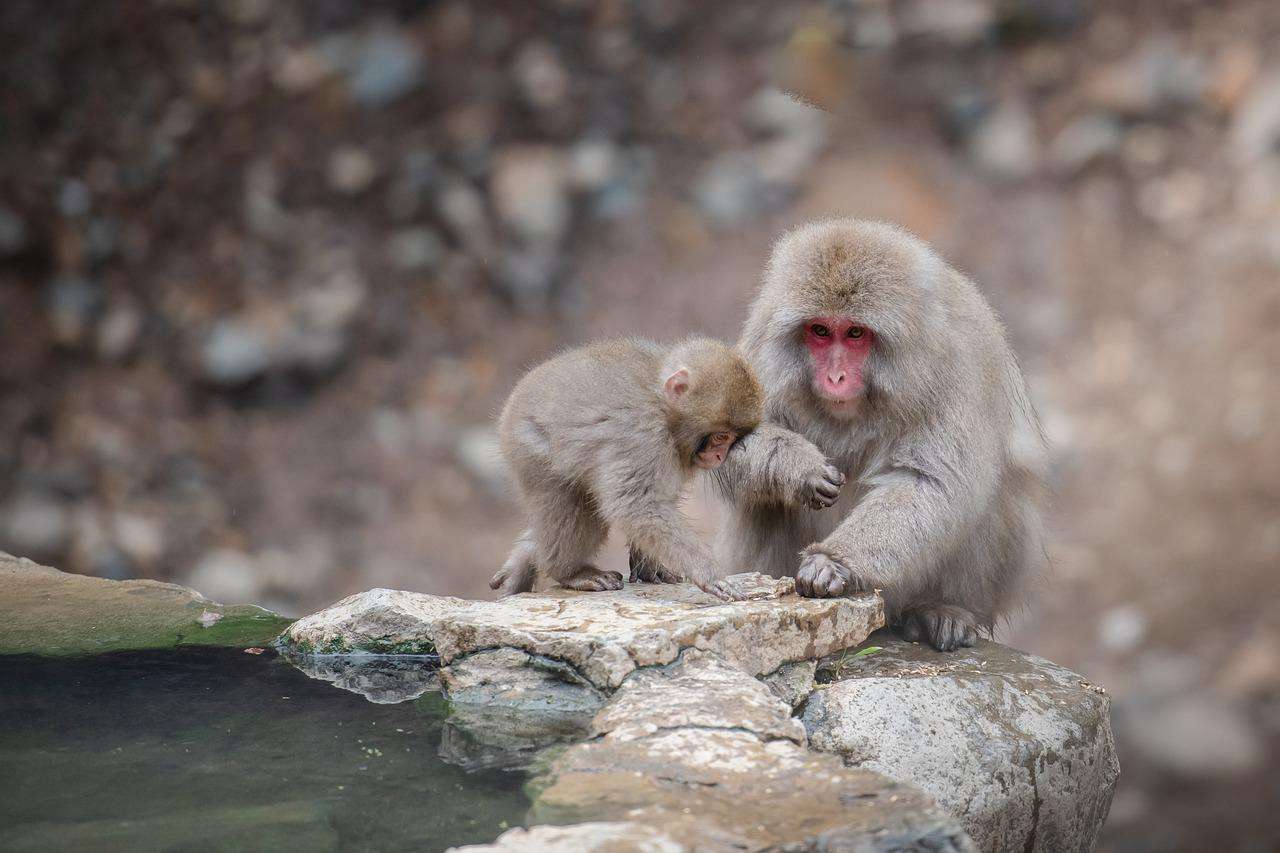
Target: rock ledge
604,636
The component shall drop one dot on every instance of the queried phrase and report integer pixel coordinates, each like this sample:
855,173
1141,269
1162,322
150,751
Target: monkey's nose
836,379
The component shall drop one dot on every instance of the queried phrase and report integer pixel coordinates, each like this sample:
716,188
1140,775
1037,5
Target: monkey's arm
774,465
900,529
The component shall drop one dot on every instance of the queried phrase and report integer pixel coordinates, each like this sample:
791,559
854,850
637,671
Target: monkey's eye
722,438
820,330
856,332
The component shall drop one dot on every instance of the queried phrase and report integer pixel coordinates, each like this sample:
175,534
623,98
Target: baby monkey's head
712,399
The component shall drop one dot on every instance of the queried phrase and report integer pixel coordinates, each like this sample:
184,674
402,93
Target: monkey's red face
838,347
714,449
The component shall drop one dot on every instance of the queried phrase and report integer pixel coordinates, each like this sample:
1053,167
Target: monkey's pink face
838,347
715,448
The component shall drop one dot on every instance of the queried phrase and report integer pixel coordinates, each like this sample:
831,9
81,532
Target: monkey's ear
677,384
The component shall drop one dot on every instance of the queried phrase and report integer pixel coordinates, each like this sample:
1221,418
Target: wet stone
481,737
382,679
614,837
510,678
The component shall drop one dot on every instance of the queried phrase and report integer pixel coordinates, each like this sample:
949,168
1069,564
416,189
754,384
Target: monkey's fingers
824,489
804,586
720,591
498,579
717,588
821,577
837,582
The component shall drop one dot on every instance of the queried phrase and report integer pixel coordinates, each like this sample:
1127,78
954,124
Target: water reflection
217,749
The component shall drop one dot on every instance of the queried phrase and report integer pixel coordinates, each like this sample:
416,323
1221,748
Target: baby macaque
609,434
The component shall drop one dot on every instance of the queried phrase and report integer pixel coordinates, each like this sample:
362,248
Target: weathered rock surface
48,612
678,712
604,636
726,789
708,753
1018,748
606,837
699,691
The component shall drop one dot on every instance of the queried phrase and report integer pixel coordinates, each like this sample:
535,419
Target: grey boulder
1018,748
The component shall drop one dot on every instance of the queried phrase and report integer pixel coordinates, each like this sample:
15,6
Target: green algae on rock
48,612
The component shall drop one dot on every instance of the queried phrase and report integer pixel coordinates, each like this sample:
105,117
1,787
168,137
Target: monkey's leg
657,528
945,626
568,532
646,569
520,570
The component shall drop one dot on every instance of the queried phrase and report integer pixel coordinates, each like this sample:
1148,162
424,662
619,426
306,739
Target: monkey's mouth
840,406
845,397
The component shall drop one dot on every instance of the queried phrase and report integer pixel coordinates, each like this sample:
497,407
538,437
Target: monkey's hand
815,482
722,588
821,487
822,576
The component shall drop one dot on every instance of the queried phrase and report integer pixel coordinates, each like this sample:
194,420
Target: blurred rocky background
267,268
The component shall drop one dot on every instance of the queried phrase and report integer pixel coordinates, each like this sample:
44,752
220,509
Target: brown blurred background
268,268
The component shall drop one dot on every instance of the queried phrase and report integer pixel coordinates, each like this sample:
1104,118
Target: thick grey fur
944,457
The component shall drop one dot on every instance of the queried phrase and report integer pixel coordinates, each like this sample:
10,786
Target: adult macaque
880,359
609,434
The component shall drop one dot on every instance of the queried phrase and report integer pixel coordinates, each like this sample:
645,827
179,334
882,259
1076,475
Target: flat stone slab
604,636
47,612
1018,748
699,691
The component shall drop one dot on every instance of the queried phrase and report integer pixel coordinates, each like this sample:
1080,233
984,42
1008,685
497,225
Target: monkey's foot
820,576
645,569
944,626
591,579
